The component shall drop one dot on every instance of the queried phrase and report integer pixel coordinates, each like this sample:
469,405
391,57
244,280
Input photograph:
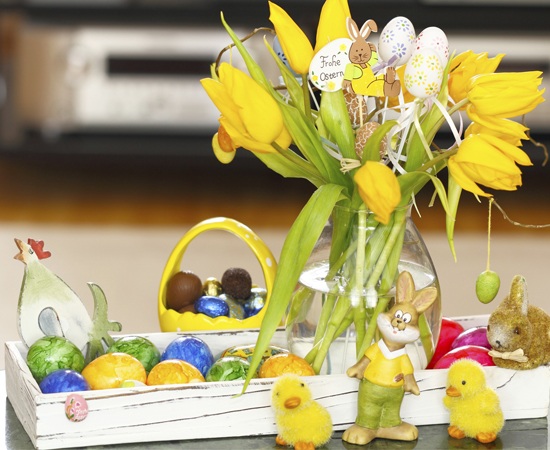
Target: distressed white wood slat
208,410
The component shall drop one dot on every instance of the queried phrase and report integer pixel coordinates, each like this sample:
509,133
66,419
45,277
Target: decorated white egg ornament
397,40
435,39
424,73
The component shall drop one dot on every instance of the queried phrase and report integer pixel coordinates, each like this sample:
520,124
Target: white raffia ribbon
517,355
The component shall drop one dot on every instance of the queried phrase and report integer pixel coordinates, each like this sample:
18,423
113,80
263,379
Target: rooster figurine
48,306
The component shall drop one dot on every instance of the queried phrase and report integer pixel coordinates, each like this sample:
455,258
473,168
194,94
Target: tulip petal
463,180
379,189
332,22
295,44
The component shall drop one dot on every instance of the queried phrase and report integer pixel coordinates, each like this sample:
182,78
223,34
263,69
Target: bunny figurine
358,75
386,371
519,333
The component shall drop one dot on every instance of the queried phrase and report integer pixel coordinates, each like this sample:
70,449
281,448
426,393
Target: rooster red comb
38,247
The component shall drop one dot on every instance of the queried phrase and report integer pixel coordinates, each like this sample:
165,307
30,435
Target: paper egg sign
397,41
327,67
436,39
424,73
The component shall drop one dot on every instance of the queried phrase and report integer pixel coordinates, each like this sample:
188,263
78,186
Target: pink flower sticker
76,408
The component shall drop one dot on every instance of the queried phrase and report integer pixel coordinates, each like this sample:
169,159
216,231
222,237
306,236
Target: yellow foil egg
283,363
112,369
174,371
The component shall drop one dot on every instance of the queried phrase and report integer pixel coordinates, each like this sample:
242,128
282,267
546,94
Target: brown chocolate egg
182,289
237,283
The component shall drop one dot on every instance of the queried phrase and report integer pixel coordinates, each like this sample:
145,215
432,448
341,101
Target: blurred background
105,147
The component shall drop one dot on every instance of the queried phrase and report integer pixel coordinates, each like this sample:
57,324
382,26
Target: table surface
531,434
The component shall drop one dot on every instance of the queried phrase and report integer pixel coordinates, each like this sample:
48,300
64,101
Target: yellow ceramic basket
171,320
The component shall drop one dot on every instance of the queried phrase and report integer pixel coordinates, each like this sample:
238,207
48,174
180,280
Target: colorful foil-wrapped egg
63,380
192,350
111,369
140,348
228,368
52,353
174,371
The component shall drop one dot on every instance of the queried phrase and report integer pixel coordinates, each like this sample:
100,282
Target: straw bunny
518,332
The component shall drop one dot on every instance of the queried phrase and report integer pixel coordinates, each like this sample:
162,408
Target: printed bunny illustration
518,332
358,76
386,371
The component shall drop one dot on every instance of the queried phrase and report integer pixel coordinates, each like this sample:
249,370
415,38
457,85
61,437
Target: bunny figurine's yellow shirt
386,365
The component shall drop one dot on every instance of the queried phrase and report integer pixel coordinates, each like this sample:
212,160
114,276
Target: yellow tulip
295,44
503,126
379,189
476,128
466,65
505,95
249,114
489,161
332,22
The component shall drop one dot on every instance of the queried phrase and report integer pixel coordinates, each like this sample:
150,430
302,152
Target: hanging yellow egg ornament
488,281
487,286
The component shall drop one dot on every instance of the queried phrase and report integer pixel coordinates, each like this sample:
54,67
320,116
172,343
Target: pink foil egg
475,352
472,336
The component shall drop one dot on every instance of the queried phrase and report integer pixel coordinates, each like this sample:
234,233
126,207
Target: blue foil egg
192,350
255,302
236,309
64,380
212,306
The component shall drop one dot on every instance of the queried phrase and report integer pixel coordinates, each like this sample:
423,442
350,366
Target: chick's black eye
516,330
302,384
463,382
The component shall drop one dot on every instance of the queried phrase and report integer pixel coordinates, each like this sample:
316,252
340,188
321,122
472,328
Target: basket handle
254,242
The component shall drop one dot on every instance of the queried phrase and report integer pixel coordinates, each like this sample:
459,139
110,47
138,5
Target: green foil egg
140,348
228,368
52,353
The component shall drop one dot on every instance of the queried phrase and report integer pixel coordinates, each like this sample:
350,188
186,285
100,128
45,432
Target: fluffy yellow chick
474,407
301,421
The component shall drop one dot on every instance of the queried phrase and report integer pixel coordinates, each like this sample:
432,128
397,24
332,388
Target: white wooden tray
209,410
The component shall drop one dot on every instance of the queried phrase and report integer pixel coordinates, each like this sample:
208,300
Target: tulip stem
305,88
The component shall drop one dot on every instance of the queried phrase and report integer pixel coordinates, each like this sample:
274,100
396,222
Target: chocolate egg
255,302
212,287
212,306
237,283
236,309
183,289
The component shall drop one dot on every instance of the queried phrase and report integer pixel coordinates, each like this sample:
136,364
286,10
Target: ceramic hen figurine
301,421
518,332
386,371
474,407
48,306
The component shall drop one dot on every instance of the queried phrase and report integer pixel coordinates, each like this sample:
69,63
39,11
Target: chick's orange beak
292,402
451,391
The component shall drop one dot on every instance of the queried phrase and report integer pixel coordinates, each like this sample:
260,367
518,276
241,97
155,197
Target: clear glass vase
349,279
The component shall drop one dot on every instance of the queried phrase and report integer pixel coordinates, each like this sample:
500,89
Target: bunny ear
368,27
404,289
353,29
424,299
518,294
